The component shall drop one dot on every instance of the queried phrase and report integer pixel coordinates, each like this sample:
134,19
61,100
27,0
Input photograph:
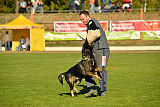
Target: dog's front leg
93,75
98,69
99,78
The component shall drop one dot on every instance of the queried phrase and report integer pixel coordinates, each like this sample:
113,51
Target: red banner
135,25
75,26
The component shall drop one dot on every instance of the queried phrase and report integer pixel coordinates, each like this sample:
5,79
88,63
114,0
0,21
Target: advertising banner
126,35
141,25
110,35
63,36
151,35
74,26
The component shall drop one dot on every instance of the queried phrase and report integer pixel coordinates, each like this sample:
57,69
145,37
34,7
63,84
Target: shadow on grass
83,91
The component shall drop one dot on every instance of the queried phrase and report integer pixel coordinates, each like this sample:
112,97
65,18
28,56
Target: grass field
30,79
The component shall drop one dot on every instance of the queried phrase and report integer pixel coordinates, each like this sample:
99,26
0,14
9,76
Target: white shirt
23,4
126,5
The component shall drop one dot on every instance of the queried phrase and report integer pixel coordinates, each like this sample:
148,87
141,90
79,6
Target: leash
81,37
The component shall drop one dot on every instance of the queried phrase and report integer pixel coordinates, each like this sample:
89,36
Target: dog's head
87,51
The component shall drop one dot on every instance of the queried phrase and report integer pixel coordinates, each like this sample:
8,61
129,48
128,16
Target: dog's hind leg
71,85
72,94
75,89
77,82
71,89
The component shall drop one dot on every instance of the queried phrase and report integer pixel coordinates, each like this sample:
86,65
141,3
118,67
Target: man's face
84,19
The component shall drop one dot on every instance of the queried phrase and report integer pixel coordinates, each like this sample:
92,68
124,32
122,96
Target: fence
48,18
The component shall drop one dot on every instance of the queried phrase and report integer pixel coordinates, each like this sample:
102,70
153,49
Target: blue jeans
91,8
70,7
82,6
99,56
76,8
41,9
7,45
20,47
26,49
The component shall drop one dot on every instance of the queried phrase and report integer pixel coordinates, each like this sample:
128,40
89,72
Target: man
7,40
70,6
100,51
40,6
23,6
92,6
82,4
22,41
26,44
29,6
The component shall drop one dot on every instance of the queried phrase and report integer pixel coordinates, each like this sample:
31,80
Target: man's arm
92,26
93,32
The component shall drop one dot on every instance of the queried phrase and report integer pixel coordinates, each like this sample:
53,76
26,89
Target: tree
56,4
17,6
7,6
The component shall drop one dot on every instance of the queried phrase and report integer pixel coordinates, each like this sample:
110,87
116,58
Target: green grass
31,79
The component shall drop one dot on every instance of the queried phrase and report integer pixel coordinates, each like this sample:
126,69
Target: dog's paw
77,91
101,70
99,78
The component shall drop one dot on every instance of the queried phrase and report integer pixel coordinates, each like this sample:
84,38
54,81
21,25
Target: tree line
11,6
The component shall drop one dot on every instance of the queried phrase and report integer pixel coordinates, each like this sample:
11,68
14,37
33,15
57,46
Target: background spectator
77,5
40,6
23,6
21,42
92,6
70,5
126,7
29,6
96,6
131,4
115,6
35,4
82,4
27,44
7,40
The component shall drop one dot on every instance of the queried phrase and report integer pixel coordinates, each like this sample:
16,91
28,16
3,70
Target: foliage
56,4
7,6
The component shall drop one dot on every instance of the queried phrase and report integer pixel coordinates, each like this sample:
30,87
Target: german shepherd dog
86,67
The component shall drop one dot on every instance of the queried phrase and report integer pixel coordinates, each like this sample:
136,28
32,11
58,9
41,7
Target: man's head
26,38
84,17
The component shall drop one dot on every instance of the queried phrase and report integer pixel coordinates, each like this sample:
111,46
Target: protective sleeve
91,25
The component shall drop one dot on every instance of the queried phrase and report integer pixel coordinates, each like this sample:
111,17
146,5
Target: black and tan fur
86,67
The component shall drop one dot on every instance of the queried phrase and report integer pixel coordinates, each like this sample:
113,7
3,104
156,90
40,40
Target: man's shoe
103,94
91,93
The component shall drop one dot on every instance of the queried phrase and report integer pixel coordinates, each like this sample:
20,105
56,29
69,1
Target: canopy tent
23,27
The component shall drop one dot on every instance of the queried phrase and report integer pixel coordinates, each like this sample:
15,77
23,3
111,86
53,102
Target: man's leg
6,46
9,46
101,57
90,82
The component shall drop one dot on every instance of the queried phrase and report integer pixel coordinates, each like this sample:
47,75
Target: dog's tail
60,77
